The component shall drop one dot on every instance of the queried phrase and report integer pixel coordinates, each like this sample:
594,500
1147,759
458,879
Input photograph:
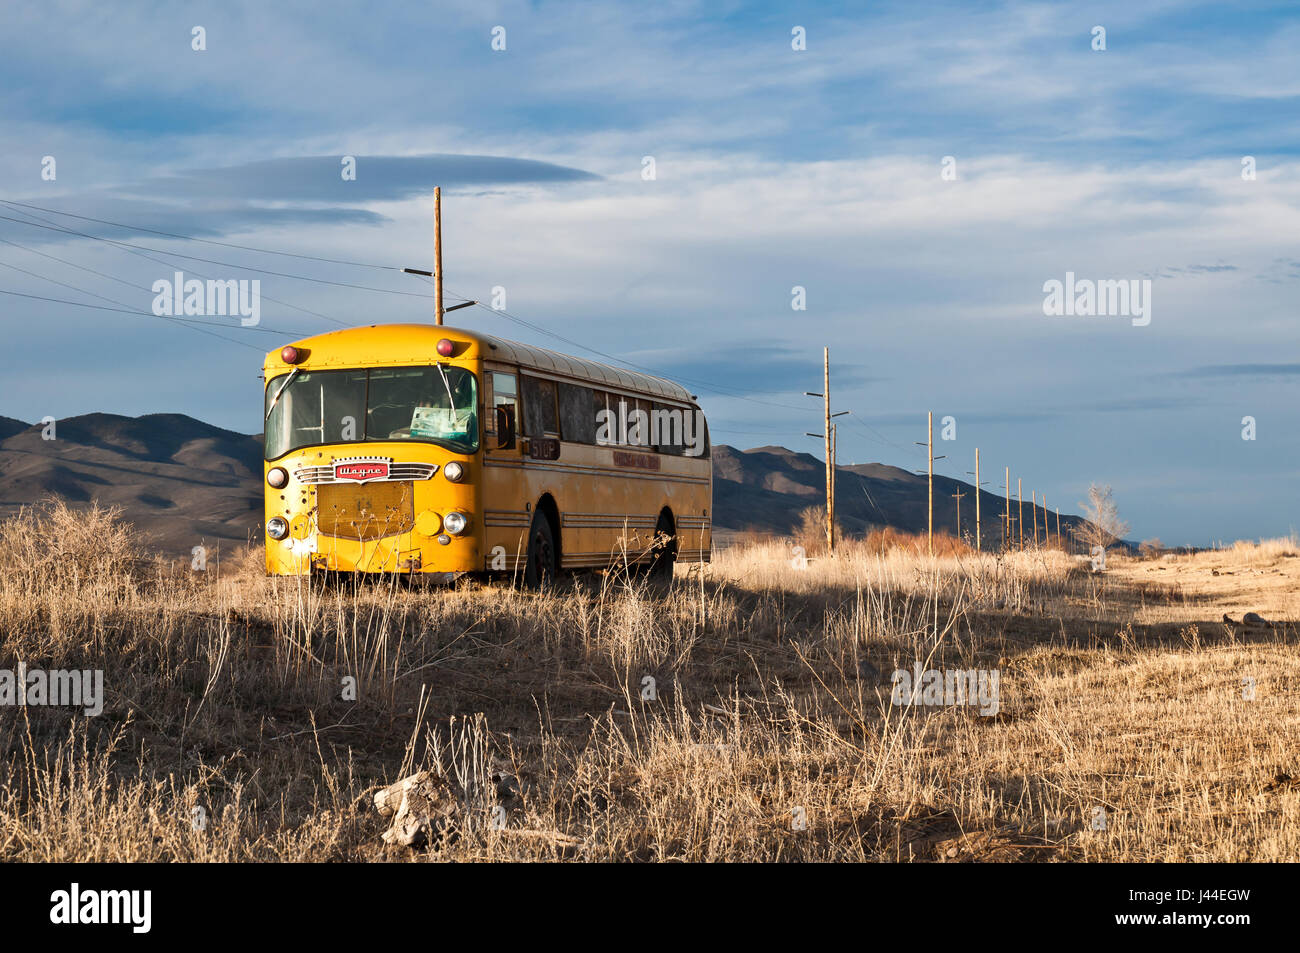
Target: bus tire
665,554
542,564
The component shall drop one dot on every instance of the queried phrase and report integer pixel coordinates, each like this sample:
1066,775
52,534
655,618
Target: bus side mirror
505,428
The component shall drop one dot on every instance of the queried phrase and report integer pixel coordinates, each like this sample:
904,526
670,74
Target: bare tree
1103,526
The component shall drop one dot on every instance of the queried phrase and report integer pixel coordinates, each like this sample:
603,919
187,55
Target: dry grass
226,693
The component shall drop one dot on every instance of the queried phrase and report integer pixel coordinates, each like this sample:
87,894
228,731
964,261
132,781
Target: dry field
1133,724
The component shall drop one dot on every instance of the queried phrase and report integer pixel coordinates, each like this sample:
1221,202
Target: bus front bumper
427,559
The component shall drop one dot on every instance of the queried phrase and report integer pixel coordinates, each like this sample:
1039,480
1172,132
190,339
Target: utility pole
833,459
830,464
1020,514
437,252
1006,525
436,275
828,435
1033,507
978,484
929,449
957,496
1058,527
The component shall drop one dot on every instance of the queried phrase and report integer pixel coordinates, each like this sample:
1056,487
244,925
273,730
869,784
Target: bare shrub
881,541
1151,548
78,552
811,531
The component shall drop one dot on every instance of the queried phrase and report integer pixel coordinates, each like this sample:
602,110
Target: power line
141,254
752,433
140,249
188,322
213,261
206,241
55,281
876,435
71,264
718,389
282,331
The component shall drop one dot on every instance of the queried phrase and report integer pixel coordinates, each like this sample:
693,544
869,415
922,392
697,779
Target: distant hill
186,482
766,489
181,480
9,427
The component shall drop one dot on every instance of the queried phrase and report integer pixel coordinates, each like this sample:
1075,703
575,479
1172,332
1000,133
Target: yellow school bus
436,452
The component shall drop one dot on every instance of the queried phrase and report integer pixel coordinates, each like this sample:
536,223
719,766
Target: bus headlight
277,477
454,471
455,523
277,528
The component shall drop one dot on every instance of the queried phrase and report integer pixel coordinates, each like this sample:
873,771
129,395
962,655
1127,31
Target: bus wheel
665,551
543,564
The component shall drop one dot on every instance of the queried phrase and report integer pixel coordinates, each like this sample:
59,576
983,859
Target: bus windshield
434,404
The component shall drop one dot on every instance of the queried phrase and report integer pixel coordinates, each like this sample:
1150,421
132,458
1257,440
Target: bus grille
367,511
397,471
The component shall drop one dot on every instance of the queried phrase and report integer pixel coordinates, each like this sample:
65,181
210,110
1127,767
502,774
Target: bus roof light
445,347
291,355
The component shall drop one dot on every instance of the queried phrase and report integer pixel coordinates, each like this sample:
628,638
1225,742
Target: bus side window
620,411
645,438
606,428
666,428
540,417
505,403
577,413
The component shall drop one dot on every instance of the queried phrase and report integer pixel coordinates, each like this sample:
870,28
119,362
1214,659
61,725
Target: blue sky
775,168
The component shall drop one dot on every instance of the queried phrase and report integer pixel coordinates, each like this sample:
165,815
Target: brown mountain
186,482
183,481
766,489
9,427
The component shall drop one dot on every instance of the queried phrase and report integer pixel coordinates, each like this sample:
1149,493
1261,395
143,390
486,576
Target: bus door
506,512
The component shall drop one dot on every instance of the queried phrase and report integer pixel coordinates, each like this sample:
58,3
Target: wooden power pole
1020,513
978,484
834,457
929,452
1058,527
1033,508
828,434
1006,523
436,275
437,252
957,496
830,464
929,531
